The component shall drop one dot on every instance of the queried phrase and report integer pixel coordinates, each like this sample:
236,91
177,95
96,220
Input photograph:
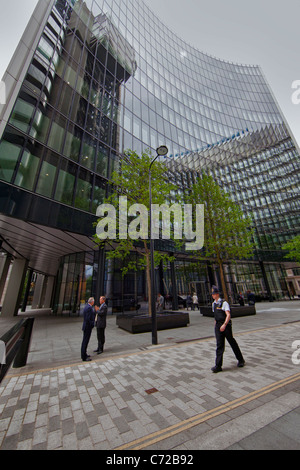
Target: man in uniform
223,329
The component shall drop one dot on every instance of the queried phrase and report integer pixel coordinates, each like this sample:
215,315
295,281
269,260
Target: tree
132,182
293,248
227,232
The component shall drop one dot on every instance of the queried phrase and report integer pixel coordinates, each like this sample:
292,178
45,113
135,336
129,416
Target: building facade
91,79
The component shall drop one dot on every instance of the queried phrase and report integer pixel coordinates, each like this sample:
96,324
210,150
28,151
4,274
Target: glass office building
94,78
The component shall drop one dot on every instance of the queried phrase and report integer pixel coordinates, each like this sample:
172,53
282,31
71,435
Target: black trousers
101,338
85,341
220,337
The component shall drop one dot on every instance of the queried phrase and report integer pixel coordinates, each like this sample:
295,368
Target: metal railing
14,346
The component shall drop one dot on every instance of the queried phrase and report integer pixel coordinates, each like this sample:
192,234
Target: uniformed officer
223,329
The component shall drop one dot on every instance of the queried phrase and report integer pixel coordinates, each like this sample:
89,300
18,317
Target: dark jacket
101,319
88,317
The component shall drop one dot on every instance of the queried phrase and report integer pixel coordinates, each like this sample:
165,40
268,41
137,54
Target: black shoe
87,359
100,352
216,369
96,350
241,364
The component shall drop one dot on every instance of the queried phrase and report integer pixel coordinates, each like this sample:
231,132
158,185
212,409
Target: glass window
83,190
47,175
88,151
22,114
45,47
65,99
99,194
105,129
9,155
73,141
41,124
57,133
102,160
71,73
114,162
65,183
27,171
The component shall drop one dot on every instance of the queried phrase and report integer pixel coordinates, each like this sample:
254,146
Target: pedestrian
189,302
195,301
250,297
160,302
101,324
223,329
240,299
88,325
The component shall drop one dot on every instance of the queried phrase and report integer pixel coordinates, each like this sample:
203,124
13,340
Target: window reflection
47,175
10,150
83,190
65,182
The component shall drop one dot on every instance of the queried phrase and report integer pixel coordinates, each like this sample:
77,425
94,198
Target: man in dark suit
88,325
101,325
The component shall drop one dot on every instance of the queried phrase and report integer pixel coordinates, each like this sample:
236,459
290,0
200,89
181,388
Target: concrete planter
235,310
143,323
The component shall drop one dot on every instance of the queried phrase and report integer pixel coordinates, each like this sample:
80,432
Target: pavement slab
139,396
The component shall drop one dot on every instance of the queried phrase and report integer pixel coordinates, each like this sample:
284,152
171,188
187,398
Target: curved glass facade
108,76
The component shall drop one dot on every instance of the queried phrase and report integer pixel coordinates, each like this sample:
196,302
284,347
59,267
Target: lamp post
161,152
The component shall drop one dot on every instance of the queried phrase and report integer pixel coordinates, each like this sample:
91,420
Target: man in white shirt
195,301
223,329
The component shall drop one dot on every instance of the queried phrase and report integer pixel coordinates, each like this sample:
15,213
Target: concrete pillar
4,267
49,291
14,288
38,291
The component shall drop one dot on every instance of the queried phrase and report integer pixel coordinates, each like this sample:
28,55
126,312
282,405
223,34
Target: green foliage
132,181
227,232
293,248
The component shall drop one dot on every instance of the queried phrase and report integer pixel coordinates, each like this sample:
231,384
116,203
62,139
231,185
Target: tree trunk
223,281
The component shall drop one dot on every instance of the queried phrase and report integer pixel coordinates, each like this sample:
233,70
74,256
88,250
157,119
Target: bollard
21,357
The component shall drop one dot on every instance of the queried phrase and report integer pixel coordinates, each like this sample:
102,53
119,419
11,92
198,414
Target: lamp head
162,150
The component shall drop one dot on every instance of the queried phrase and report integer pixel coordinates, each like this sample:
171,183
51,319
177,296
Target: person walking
88,325
223,329
160,303
101,324
195,301
189,302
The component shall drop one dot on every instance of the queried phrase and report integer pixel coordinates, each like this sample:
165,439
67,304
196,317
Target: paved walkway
138,396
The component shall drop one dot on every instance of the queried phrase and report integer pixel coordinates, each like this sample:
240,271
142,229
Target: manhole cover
151,390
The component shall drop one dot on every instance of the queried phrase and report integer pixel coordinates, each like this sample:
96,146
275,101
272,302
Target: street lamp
160,152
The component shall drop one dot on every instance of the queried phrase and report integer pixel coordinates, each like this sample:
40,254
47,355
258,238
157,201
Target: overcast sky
262,32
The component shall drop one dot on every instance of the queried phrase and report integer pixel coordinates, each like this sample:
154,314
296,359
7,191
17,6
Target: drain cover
151,390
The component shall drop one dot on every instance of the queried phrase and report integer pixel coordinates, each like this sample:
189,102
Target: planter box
235,311
143,323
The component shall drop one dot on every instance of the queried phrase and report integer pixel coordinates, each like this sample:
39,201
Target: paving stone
103,404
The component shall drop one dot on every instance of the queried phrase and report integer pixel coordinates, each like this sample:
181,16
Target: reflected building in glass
91,79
